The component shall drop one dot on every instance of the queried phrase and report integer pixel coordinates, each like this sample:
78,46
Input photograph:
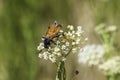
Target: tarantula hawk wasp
51,33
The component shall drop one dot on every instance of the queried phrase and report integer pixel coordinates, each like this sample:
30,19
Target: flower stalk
61,72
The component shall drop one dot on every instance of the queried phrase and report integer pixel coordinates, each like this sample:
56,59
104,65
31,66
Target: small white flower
69,33
40,55
73,43
73,32
63,58
56,49
77,42
86,39
52,58
40,47
67,43
61,31
70,27
79,28
49,49
78,33
72,36
59,54
63,47
43,39
58,42
66,51
74,50
54,53
45,55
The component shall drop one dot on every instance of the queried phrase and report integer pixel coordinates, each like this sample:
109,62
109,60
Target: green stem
61,72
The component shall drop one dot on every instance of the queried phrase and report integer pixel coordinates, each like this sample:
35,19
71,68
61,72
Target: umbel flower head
92,54
61,46
111,66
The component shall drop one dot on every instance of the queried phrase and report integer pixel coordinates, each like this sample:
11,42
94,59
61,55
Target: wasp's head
46,43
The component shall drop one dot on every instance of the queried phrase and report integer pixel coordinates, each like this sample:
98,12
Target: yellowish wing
52,32
56,31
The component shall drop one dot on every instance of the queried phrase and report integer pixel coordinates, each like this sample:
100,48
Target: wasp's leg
58,35
53,42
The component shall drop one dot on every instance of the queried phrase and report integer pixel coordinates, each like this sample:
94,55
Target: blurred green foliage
22,23
20,28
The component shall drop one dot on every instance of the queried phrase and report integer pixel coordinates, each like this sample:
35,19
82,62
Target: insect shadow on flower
52,32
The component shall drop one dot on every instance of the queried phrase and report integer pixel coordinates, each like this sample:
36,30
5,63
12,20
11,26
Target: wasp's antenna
53,42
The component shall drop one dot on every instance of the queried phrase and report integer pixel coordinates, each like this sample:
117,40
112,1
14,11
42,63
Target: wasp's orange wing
56,31
50,31
53,31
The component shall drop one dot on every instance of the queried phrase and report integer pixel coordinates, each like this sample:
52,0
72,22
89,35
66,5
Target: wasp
51,33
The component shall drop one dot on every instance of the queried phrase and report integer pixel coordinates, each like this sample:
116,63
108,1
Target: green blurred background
23,22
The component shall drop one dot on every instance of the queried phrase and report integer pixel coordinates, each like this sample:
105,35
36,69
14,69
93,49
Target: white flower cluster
74,36
91,54
64,44
111,67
